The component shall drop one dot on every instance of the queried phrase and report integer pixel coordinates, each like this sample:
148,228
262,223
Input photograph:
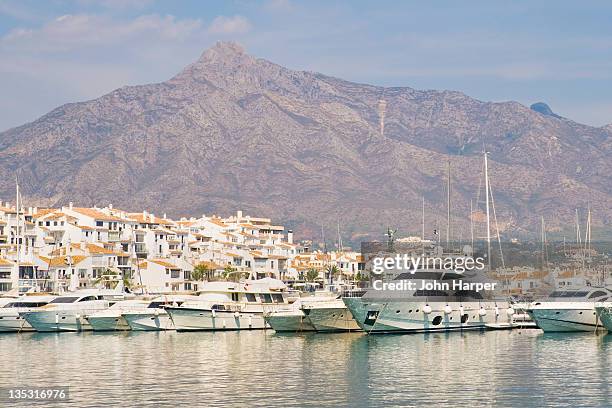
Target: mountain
235,132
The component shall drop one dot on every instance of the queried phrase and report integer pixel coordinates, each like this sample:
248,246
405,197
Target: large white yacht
604,313
296,318
153,317
415,308
112,319
231,306
11,321
69,312
569,310
330,315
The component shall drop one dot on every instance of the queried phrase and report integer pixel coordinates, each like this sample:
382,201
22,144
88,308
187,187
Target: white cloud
71,32
229,25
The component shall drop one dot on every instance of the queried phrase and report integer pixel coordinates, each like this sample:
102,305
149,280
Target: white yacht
295,318
604,313
231,306
330,315
153,317
11,321
69,312
415,308
112,319
569,310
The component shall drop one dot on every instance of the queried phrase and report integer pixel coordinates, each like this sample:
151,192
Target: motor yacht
231,306
330,315
570,310
154,317
295,318
430,299
69,311
112,319
11,321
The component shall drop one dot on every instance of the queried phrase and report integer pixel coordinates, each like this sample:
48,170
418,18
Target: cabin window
66,299
430,293
250,297
278,298
265,298
597,294
99,224
234,297
88,298
436,320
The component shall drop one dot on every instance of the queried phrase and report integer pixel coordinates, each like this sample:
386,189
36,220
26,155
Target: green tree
360,277
228,272
333,271
312,275
200,272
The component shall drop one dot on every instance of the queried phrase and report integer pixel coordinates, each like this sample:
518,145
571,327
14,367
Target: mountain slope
231,131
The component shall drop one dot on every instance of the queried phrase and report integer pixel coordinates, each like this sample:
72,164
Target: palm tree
200,272
333,271
312,275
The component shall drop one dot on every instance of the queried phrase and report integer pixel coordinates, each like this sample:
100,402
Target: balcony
114,236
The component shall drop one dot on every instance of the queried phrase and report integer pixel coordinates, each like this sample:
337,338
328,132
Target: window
278,298
468,294
65,299
568,294
234,297
88,298
265,298
597,294
436,320
430,293
250,297
99,224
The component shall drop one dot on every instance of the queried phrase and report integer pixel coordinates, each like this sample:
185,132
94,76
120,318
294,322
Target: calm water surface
526,368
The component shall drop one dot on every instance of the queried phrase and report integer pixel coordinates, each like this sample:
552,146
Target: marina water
257,368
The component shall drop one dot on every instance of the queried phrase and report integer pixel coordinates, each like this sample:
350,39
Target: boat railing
357,293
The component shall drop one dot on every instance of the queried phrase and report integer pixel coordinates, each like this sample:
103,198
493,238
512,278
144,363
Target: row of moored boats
268,303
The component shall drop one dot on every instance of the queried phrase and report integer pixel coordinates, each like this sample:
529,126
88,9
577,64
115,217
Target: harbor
258,368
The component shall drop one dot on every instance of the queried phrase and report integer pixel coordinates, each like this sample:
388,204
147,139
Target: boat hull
332,319
193,319
149,321
289,322
12,323
108,323
409,317
605,316
57,321
579,319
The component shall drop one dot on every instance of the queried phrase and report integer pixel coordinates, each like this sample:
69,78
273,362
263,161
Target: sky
558,52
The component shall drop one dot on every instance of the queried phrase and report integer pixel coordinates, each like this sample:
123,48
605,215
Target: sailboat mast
448,205
17,232
472,224
487,207
423,220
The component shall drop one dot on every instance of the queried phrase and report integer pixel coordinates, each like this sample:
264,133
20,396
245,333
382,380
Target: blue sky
560,52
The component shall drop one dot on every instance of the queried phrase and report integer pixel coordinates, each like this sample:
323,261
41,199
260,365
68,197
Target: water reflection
256,368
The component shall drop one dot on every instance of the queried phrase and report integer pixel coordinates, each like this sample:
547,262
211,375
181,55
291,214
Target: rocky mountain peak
232,131
226,51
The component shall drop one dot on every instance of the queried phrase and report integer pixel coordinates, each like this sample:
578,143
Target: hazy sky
60,51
